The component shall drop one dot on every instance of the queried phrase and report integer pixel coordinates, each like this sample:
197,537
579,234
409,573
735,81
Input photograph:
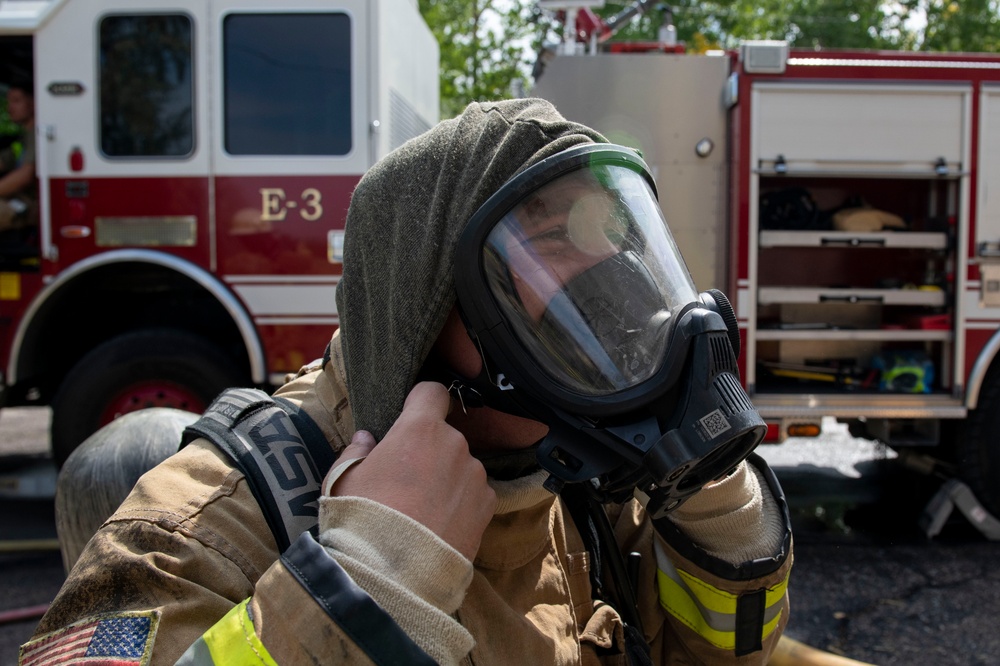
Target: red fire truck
195,160
849,205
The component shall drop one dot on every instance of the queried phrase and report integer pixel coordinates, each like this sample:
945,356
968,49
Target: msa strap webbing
598,537
280,451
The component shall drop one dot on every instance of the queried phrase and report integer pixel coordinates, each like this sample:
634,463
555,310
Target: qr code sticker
714,423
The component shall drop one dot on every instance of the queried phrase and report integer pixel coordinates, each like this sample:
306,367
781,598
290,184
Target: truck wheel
977,446
153,368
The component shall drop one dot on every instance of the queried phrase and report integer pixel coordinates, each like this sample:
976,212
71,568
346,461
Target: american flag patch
120,639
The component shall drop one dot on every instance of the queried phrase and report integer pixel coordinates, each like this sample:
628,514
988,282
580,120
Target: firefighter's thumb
361,445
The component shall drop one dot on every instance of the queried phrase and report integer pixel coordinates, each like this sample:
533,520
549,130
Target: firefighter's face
567,227
487,430
20,106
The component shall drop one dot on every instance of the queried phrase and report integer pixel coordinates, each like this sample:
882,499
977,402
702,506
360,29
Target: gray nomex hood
402,227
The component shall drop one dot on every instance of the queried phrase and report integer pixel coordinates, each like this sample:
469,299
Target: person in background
18,182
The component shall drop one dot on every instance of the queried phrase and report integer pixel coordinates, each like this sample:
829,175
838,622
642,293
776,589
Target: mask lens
587,276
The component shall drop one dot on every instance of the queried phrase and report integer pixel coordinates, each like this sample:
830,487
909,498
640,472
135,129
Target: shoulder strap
598,537
280,451
575,501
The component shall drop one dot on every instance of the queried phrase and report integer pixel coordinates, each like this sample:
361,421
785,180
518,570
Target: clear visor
588,276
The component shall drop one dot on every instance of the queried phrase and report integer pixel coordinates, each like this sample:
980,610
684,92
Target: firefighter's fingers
423,469
361,445
429,399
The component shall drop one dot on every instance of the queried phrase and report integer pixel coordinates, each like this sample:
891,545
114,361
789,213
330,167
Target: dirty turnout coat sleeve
188,562
190,546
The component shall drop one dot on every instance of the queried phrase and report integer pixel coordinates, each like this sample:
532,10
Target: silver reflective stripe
716,620
196,655
772,611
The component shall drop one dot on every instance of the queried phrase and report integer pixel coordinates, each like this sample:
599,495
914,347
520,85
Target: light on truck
74,231
76,159
804,430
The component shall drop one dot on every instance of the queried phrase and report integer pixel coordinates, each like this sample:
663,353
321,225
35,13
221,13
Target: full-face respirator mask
587,319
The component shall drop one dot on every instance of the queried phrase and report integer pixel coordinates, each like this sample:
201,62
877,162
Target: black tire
193,371
977,447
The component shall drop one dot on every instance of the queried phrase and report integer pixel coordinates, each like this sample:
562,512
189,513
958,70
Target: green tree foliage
926,25
488,47
969,25
870,24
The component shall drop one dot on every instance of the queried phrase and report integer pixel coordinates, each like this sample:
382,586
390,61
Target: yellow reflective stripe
679,603
776,594
772,624
706,609
232,640
711,598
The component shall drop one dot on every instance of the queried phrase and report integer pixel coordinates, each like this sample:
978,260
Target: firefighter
450,527
18,186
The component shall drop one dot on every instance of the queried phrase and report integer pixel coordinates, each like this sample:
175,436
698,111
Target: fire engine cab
849,205
195,160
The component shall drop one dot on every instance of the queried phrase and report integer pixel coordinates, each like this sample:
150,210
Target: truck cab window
146,86
287,84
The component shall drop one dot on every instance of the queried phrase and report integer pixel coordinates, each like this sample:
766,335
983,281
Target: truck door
857,284
122,146
291,141
987,231
983,296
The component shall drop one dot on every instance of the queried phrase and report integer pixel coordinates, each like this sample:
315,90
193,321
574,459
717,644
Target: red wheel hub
151,394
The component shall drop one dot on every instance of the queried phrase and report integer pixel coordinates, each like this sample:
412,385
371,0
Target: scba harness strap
280,451
284,456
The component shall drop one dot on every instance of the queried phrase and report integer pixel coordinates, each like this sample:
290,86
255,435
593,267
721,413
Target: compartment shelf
853,262
789,295
887,335
928,240
846,404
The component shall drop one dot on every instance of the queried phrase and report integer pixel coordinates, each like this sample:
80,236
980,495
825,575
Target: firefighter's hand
423,468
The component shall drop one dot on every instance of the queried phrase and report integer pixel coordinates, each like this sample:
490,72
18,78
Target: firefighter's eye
551,240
